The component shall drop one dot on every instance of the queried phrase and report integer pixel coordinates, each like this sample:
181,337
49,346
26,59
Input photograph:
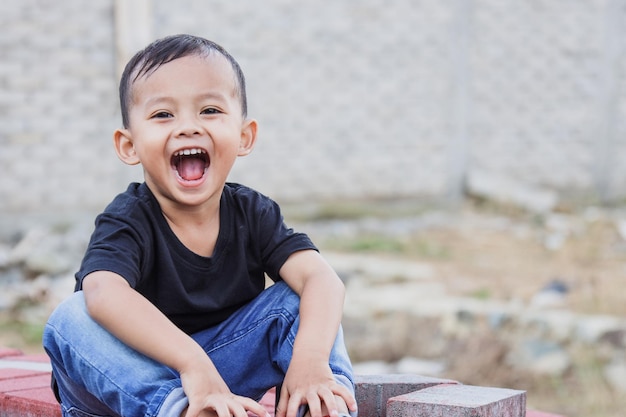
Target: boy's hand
310,381
210,396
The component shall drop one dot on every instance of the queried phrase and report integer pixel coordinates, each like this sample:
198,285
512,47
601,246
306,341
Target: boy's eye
162,115
210,110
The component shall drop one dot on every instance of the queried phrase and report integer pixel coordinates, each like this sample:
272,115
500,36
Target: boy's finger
239,411
281,407
221,409
315,405
293,405
327,397
192,411
347,396
350,401
253,406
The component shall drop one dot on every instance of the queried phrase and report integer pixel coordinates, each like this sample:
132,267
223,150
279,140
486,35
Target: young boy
170,316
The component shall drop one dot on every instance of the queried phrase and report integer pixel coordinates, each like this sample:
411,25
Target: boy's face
186,128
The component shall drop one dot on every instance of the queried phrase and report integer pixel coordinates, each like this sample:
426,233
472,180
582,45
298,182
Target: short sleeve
276,240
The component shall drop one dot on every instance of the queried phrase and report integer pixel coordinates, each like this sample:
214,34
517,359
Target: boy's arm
309,379
138,323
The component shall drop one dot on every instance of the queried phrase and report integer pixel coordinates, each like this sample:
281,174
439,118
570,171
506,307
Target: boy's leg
97,373
253,348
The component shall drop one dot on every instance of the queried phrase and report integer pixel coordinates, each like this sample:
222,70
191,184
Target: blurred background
460,162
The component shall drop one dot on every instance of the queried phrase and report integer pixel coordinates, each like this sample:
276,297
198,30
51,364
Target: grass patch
354,210
430,249
481,294
21,335
415,248
370,243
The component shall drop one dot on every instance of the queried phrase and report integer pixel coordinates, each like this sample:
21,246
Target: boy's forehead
211,68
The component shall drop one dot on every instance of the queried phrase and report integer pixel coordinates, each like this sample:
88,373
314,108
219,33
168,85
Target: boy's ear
124,147
248,137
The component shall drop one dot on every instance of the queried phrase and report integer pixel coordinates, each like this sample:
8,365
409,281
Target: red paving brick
24,383
10,373
39,358
25,392
19,406
269,401
36,395
4,352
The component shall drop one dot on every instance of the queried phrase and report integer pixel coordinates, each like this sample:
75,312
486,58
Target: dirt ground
519,258
502,264
586,253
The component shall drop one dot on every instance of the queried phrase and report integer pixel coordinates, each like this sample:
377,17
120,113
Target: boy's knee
289,299
71,312
73,305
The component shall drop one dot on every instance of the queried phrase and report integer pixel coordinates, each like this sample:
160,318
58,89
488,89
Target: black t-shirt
134,240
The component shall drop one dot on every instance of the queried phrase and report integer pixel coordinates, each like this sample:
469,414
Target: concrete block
459,401
373,391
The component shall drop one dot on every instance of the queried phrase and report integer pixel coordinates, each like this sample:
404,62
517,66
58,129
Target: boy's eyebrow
216,96
203,96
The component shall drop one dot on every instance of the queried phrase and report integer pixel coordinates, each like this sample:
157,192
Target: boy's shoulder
137,194
242,194
236,188
249,205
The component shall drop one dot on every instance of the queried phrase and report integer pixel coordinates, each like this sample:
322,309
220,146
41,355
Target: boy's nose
188,126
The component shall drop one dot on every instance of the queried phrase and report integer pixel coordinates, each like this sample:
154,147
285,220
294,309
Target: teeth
193,151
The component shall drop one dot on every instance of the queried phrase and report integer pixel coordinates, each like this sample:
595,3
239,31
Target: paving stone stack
25,391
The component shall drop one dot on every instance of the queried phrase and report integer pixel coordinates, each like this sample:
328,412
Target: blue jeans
98,375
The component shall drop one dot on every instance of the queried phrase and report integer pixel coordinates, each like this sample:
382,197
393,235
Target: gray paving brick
459,401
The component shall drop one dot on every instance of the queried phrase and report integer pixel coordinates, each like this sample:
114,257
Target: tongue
190,168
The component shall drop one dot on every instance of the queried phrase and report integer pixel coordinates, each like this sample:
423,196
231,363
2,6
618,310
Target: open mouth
190,164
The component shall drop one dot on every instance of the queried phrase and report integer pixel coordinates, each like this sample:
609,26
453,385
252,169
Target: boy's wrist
309,355
192,358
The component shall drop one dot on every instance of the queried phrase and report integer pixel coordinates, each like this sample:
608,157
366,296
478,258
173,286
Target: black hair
165,50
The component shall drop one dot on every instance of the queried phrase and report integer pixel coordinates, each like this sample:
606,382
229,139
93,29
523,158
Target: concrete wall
57,105
517,100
